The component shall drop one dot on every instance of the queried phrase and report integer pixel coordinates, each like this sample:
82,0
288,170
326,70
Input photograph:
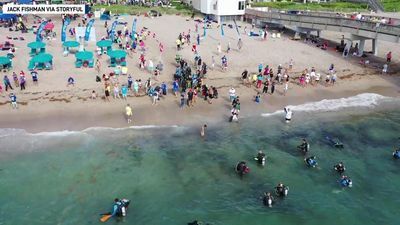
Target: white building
220,9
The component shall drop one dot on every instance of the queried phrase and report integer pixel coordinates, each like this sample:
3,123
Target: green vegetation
329,6
176,8
391,5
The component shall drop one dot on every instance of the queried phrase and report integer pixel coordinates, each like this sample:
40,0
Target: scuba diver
304,147
396,154
119,209
336,143
340,168
281,190
345,181
311,161
268,200
242,168
260,158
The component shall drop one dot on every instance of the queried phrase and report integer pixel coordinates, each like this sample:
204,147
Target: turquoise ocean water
173,176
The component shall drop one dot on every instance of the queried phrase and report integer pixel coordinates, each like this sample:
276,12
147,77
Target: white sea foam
7,132
369,100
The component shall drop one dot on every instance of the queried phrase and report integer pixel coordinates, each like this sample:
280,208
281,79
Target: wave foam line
369,100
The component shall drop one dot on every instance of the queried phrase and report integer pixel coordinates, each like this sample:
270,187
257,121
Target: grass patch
176,8
391,5
329,6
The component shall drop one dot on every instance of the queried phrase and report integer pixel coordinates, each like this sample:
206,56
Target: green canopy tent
105,44
84,57
5,62
117,57
36,47
70,44
41,61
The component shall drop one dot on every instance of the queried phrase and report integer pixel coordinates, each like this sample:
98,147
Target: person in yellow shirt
128,111
178,44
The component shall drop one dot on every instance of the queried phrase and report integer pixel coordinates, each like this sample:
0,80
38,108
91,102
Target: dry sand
53,106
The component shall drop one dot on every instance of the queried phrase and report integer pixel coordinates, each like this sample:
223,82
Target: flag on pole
236,26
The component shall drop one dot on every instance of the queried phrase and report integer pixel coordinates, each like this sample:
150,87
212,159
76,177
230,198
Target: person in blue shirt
13,99
257,98
124,91
164,88
130,81
175,87
260,67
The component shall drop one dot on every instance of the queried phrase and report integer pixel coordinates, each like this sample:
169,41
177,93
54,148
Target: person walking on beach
128,112
228,47
212,62
13,99
198,39
7,83
22,82
175,87
203,130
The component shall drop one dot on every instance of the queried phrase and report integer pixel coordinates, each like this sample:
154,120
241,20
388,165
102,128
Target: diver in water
345,181
304,147
260,157
281,190
268,200
120,207
242,168
311,161
396,154
340,168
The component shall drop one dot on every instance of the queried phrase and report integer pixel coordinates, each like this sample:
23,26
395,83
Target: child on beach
70,81
13,100
257,98
94,95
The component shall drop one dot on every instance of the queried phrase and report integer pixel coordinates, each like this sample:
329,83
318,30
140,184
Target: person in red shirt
389,57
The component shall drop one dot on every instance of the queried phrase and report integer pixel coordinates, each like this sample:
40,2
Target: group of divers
120,206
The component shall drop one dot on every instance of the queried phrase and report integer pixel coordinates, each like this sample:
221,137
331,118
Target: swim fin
105,218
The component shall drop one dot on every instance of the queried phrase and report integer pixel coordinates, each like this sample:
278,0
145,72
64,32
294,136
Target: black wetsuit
260,157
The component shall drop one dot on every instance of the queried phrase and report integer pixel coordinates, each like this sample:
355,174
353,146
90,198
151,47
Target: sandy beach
51,105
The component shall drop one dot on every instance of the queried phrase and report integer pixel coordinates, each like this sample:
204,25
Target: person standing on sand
7,83
175,87
240,44
128,112
228,47
13,99
272,88
70,81
124,91
203,130
198,39
136,87
107,92
22,82
34,77
285,89
389,57
232,94
182,105
98,65
116,91
265,89
212,62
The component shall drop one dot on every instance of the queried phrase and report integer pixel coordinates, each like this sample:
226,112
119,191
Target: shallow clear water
173,176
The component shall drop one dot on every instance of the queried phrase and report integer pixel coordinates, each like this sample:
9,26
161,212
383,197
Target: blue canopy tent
26,2
8,16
